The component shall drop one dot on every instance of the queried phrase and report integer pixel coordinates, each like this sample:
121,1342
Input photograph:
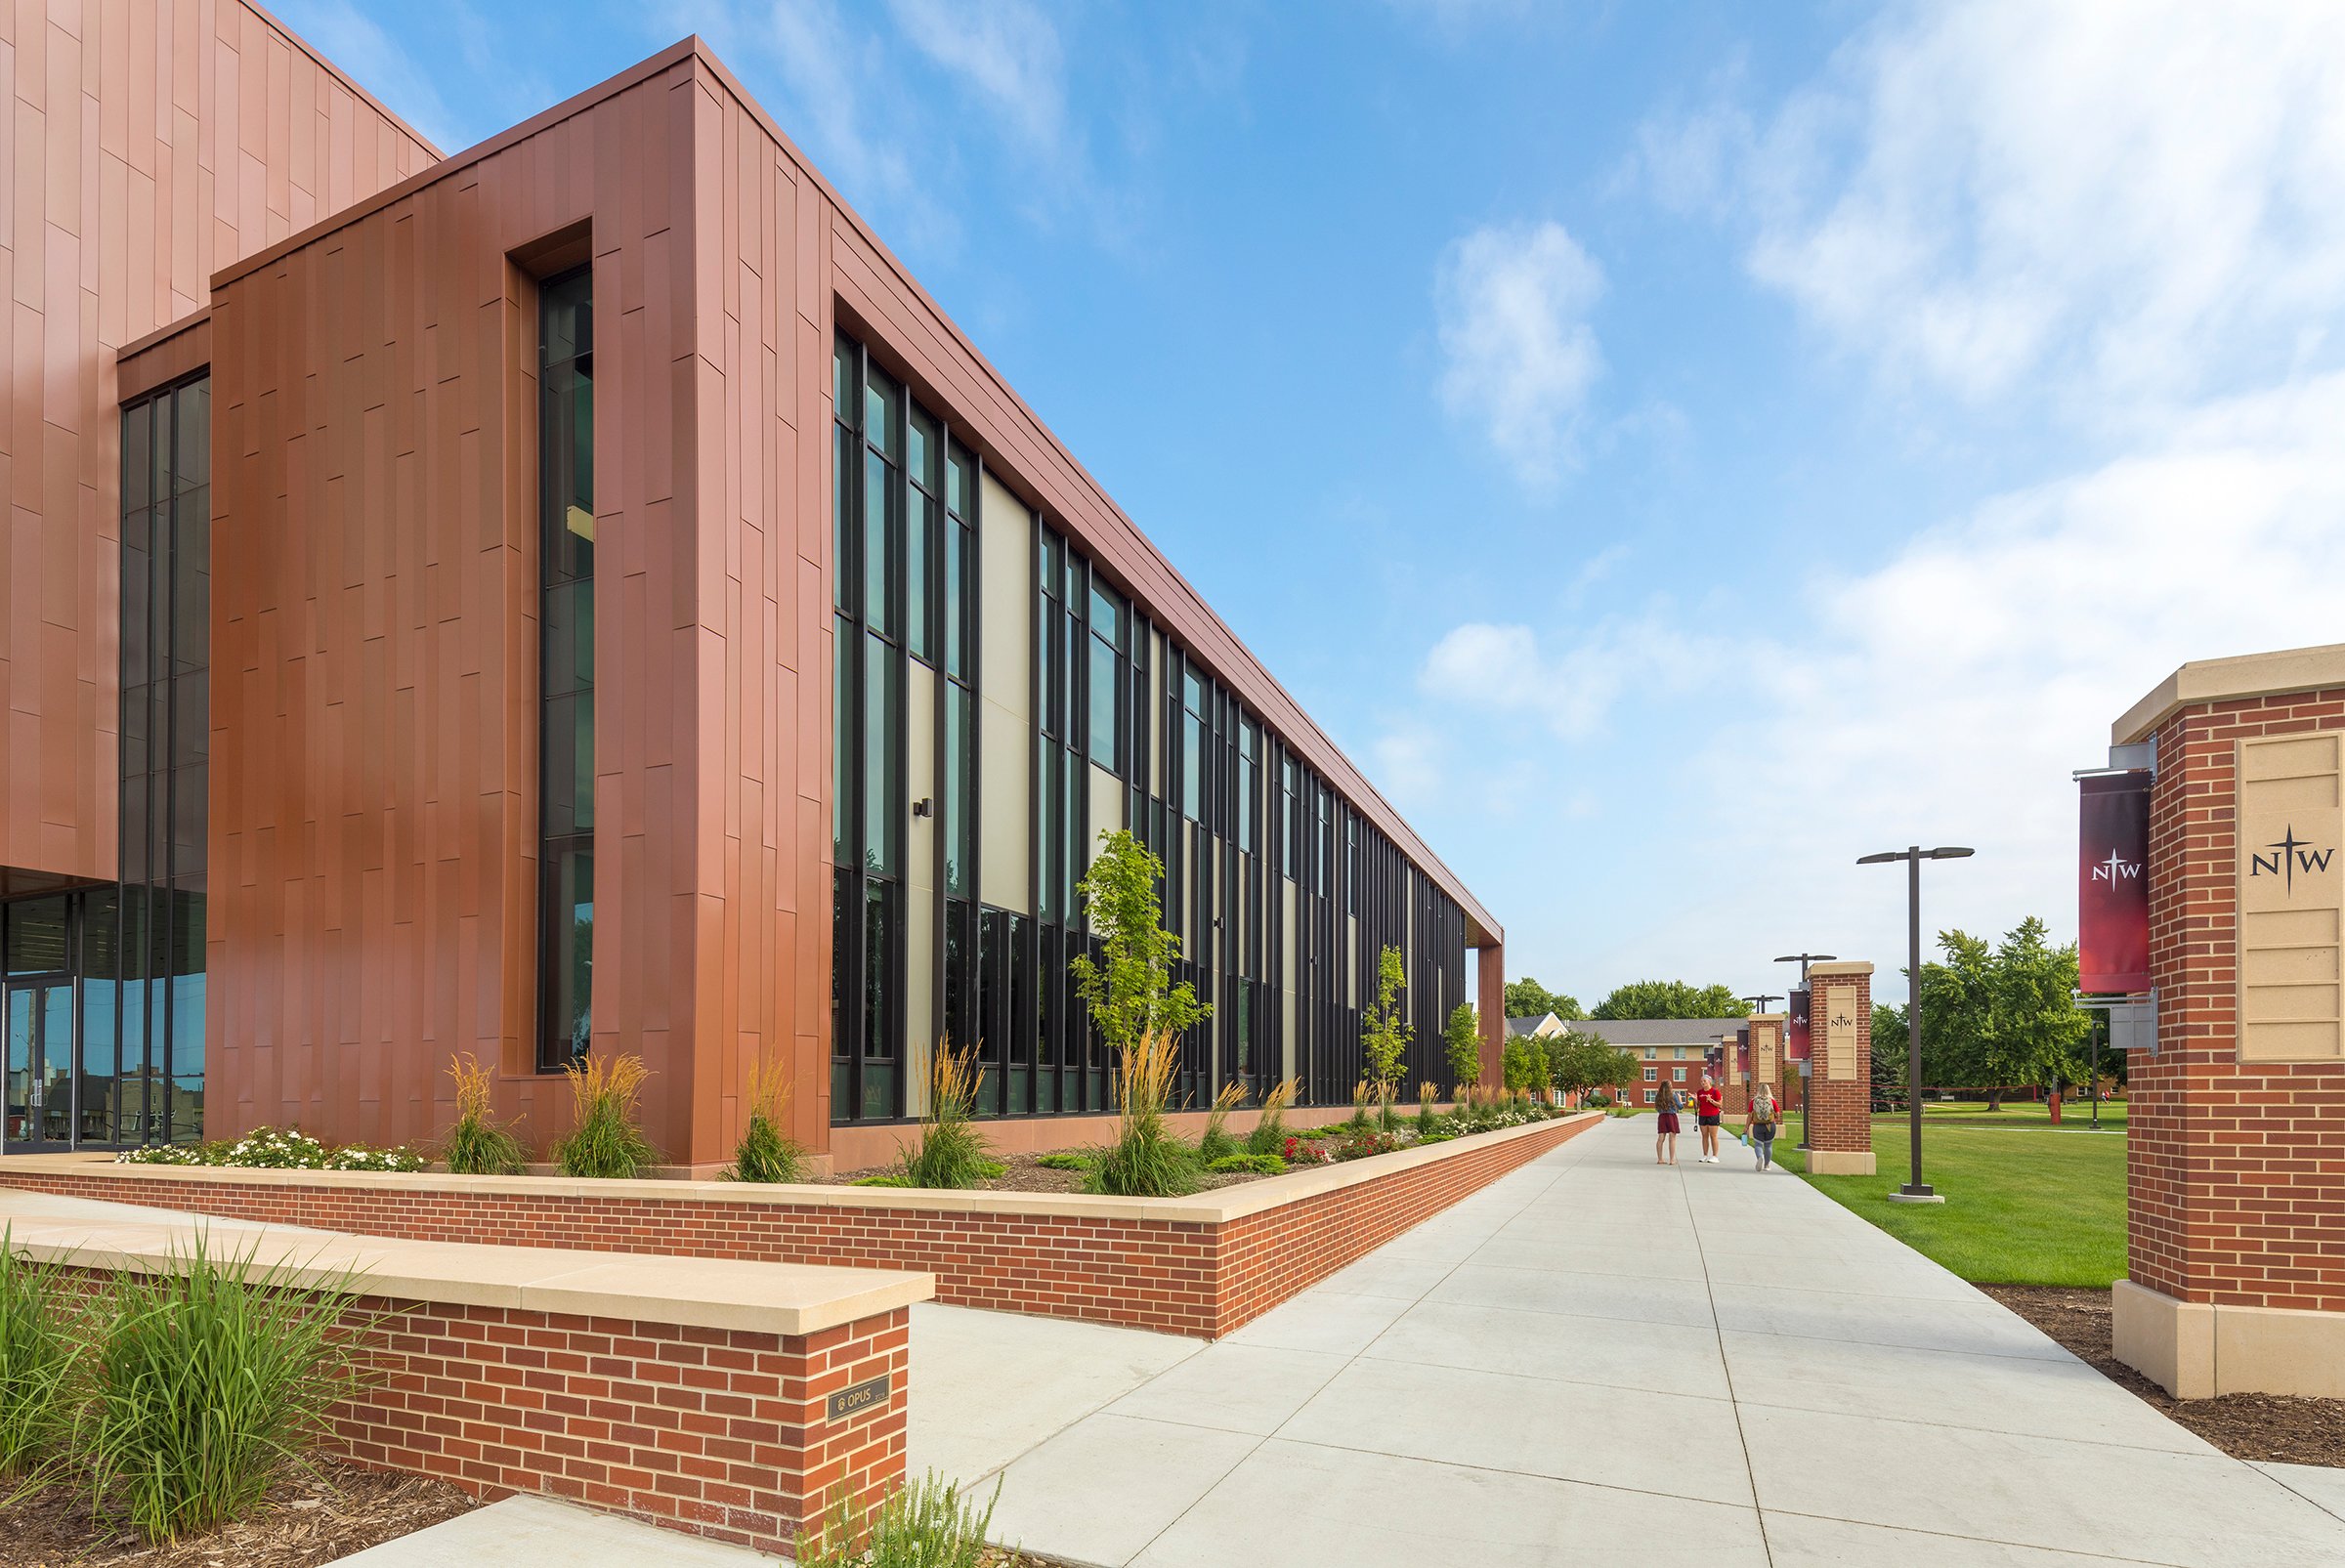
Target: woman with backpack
1762,1126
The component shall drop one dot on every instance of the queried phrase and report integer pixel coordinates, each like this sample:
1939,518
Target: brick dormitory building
581,594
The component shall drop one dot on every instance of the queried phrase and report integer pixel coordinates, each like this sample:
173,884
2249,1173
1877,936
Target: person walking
1708,1106
1665,1137
1762,1126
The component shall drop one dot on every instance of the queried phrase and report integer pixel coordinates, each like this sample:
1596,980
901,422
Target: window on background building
1677,1074
566,582
1652,1075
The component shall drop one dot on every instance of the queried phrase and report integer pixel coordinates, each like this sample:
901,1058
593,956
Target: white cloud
1007,50
1940,696
1520,356
2128,202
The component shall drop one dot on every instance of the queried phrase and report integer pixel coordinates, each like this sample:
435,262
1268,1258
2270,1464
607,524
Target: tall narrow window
566,580
166,734
1108,682
1249,741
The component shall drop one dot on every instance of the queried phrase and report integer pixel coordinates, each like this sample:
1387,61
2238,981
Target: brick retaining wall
1199,1276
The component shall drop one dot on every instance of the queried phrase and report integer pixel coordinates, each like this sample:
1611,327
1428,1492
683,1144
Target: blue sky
1674,449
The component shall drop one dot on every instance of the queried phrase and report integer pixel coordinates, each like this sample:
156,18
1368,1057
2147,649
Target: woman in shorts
1708,1105
1665,1139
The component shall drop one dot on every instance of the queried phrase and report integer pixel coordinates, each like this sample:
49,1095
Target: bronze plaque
857,1398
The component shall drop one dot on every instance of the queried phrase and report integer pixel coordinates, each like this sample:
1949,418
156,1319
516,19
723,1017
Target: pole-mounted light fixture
1915,1190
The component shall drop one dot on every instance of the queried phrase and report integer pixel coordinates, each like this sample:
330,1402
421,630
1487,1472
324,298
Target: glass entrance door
39,1066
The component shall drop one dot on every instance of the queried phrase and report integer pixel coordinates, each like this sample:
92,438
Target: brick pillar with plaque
2236,1140
1764,1032
1840,1069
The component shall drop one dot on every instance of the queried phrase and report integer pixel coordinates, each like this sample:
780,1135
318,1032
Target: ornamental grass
40,1361
1218,1144
605,1141
1270,1135
765,1152
926,1523
478,1144
951,1152
1147,1160
1426,1119
207,1381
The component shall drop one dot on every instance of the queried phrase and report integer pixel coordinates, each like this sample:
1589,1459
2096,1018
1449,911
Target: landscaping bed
1066,1169
321,1515
2247,1427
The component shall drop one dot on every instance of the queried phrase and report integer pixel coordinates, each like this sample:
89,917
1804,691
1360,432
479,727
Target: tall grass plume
1218,1142
1270,1135
1146,1160
765,1152
478,1144
605,1141
951,1152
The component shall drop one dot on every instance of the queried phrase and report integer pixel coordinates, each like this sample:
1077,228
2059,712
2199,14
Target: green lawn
2023,1206
2075,1116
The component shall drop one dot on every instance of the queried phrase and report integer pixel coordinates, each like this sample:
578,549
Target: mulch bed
2247,1427
315,1518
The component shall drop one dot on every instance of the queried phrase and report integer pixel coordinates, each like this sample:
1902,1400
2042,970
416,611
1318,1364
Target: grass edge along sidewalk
2026,1206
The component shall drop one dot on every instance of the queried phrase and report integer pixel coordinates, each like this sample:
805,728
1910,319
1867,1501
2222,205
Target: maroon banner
1743,1053
2113,884
1795,1036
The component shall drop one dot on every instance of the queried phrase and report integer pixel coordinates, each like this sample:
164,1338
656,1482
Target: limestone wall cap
2224,680
1839,968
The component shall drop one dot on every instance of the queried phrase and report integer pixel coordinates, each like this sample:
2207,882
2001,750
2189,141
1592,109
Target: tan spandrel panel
2291,897
150,141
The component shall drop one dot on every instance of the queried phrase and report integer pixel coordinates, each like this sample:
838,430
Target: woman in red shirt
1708,1104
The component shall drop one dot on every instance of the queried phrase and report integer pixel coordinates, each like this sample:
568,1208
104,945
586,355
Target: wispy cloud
1518,353
2112,207
1007,51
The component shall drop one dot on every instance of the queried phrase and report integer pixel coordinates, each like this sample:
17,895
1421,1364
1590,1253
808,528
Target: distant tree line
1639,999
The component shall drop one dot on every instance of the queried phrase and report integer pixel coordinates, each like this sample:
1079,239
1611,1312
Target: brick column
1736,1096
2235,1234
1766,1067
1840,1069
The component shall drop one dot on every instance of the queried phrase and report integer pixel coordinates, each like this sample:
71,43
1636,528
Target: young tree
1671,999
2037,1016
1384,1033
1890,1044
1462,1040
1580,1061
1131,992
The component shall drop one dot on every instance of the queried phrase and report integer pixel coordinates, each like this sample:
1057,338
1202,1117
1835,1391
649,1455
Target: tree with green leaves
2000,1016
1131,991
1384,1032
1578,1062
1461,1040
1890,1045
1672,998
1527,998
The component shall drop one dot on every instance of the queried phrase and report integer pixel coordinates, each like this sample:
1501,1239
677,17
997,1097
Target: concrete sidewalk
1597,1360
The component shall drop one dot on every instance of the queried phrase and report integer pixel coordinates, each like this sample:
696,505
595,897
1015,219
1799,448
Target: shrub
1146,1160
207,1381
1361,1143
605,1143
1299,1152
1359,1107
924,1524
477,1145
951,1152
1217,1142
892,1178
173,1154
1427,1121
1268,1165
765,1153
39,1361
1065,1160
357,1156
275,1148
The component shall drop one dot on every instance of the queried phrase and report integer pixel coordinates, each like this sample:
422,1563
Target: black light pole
1808,1075
1915,1190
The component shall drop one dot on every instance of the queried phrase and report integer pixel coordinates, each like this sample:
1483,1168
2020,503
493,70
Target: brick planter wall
1198,1276
716,1432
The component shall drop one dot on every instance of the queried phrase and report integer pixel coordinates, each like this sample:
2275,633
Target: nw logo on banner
2115,869
2289,856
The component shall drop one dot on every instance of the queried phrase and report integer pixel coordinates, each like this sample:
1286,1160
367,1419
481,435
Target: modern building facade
582,595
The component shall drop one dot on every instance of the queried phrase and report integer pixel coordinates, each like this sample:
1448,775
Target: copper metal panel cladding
151,142
375,815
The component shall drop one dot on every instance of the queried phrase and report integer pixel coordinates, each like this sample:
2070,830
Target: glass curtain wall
1249,833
